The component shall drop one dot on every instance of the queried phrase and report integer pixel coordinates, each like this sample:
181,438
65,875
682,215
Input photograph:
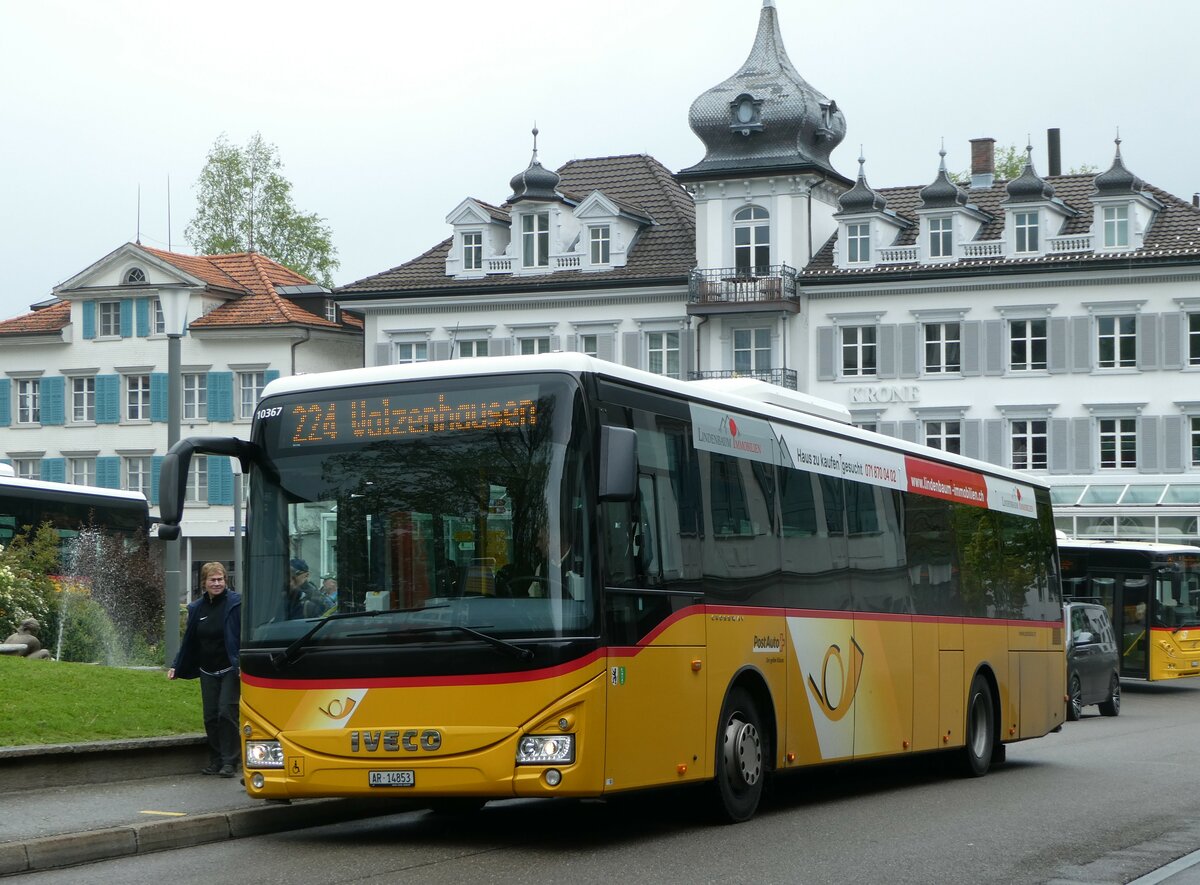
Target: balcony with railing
779,377
713,290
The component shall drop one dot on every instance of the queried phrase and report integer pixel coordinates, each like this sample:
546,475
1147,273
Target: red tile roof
39,322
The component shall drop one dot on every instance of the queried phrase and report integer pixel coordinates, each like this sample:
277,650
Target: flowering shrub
23,592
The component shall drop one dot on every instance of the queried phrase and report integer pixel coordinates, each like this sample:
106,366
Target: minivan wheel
1112,707
1074,698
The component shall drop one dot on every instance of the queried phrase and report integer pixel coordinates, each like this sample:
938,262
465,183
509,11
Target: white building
1048,324
83,378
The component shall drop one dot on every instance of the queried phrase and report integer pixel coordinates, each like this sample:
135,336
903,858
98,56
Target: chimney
1196,200
983,162
1054,152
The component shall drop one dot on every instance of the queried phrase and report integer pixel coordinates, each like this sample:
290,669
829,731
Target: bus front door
1125,595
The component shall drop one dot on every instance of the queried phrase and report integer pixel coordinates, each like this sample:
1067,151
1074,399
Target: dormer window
858,243
600,241
1116,227
746,113
535,240
135,275
331,310
941,237
751,241
472,250
1025,227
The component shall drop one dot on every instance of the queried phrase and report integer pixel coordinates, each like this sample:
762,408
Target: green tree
1010,163
244,202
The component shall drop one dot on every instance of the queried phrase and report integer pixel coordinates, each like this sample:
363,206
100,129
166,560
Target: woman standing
209,650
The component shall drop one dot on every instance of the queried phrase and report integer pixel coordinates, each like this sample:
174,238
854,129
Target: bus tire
980,729
741,766
1074,699
1112,706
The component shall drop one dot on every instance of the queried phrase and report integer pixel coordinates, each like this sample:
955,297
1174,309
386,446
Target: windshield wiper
292,652
521,654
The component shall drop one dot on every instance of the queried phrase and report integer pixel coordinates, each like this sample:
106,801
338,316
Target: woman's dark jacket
186,662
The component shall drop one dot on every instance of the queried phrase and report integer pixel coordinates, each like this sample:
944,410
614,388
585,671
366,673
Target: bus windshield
441,505
1177,591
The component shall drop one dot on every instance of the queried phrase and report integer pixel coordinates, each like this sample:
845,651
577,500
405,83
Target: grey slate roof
664,253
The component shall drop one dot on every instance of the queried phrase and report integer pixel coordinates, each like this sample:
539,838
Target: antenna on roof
138,236
168,213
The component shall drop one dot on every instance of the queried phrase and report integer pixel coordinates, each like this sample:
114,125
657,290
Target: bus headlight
264,754
542,749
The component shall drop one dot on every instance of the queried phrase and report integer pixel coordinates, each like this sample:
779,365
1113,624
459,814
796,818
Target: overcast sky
387,115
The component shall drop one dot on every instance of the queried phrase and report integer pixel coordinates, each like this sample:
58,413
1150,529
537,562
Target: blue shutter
5,402
155,469
108,400
143,317
158,396
89,319
108,472
220,480
126,317
270,375
220,396
53,402
53,469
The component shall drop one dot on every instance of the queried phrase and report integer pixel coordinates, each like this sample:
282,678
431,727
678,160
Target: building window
600,243
160,322
1117,341
663,353
1027,345
197,484
477,347
28,468
110,319
530,346
858,243
1116,227
1029,445
411,352
137,474
751,241
941,237
135,275
858,351
195,396
472,250
1118,443
944,435
942,348
250,388
1025,225
83,399
535,240
751,350
589,345
1194,339
29,409
1195,441
331,310
82,471
137,397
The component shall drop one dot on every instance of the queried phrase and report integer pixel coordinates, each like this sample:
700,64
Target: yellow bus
558,576
1152,593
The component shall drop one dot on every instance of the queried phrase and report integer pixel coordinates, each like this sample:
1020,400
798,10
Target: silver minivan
1093,660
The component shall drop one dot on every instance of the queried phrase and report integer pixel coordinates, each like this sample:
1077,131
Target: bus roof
759,399
1147,547
16,484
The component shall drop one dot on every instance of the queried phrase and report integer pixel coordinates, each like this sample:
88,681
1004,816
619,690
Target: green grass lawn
50,702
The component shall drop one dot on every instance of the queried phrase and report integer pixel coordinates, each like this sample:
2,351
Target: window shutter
440,349
1147,341
88,308
888,428
126,317
687,356
1172,340
108,404
159,393
909,430
993,348
1082,433
886,364
220,396
1174,430
971,431
52,391
53,470
970,348
143,317
500,347
825,365
1081,344
220,480
606,346
910,366
5,402
269,376
631,356
993,441
155,470
108,472
1056,359
1147,444
383,354
1059,445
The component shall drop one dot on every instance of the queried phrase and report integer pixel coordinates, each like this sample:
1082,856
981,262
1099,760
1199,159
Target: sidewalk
61,806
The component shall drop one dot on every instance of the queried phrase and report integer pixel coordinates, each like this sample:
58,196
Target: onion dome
1028,187
765,117
861,198
535,182
1117,180
942,193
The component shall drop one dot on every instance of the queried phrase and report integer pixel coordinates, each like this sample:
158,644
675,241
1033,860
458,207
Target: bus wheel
1074,699
1112,707
981,731
740,765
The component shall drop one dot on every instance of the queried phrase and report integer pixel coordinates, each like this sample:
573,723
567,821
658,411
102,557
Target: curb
99,762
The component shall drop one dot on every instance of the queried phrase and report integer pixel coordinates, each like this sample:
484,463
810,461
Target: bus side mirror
618,463
173,475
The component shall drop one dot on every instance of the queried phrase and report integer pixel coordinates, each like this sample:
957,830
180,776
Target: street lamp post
174,307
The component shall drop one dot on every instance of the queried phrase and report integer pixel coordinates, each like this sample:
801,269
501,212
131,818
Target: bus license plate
403,778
